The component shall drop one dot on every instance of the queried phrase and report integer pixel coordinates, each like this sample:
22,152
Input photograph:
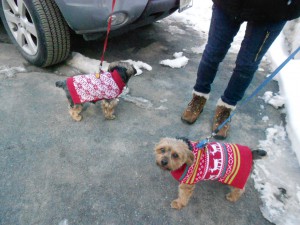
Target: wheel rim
21,25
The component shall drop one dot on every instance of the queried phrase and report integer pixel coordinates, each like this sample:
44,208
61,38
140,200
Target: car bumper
92,15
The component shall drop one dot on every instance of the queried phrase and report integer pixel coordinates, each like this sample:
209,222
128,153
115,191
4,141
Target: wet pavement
54,170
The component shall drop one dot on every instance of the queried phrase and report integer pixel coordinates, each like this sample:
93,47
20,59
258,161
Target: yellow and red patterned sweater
228,163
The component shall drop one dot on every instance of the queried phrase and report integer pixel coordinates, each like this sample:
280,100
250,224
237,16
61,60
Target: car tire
38,30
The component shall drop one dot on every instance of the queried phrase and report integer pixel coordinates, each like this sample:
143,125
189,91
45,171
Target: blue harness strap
264,83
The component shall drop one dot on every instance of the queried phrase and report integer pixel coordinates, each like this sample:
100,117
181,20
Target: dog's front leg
185,192
75,112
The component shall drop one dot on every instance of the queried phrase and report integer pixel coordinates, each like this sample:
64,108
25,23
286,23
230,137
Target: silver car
41,28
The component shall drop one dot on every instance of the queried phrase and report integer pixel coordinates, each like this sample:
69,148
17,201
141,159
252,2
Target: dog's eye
175,155
162,150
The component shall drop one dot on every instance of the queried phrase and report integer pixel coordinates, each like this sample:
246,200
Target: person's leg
258,38
221,33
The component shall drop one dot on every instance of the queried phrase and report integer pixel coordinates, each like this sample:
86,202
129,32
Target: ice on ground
63,222
11,71
277,178
265,118
138,101
178,62
198,50
175,30
141,102
163,100
163,108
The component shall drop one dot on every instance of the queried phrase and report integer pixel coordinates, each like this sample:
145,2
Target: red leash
107,33
106,39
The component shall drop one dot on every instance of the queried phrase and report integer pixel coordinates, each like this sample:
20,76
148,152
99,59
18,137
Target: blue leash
202,143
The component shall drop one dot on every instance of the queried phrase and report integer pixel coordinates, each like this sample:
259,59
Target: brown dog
228,163
106,86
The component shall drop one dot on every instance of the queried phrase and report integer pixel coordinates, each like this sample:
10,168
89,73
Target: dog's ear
131,71
112,66
190,158
134,70
110,69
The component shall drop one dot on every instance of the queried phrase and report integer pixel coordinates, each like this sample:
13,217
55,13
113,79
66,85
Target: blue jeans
258,38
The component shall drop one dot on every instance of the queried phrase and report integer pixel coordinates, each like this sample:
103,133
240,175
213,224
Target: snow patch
276,100
11,71
265,119
63,222
139,65
87,65
198,50
178,62
277,179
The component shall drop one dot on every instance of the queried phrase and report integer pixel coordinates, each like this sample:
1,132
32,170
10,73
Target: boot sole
187,122
218,137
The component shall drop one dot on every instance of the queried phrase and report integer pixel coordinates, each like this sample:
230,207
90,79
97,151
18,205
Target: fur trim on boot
206,96
221,103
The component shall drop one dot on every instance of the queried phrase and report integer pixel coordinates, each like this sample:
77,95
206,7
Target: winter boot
222,113
194,108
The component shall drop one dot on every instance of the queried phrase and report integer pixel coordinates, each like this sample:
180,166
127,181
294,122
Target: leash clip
97,75
203,143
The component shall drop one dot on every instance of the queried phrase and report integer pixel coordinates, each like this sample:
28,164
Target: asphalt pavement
54,170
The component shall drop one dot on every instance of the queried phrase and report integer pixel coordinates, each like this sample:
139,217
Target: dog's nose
164,162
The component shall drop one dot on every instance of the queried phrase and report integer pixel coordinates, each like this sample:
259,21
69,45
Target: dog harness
228,163
89,88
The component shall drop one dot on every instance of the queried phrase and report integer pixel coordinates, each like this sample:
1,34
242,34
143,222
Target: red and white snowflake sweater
228,163
88,88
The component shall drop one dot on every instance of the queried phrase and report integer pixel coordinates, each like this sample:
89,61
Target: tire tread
56,32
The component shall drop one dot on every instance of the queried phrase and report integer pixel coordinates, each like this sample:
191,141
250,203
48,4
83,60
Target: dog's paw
77,118
176,204
110,117
231,197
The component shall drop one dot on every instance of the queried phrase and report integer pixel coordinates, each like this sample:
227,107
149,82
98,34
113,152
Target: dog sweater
88,88
228,163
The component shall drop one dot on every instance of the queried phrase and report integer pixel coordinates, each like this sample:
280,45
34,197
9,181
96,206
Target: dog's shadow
91,109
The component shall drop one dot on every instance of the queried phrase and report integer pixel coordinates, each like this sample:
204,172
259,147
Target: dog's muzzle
164,162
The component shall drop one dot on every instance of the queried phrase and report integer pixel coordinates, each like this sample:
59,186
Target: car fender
92,15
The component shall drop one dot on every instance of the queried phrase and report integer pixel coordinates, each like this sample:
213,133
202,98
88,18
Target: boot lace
196,104
223,115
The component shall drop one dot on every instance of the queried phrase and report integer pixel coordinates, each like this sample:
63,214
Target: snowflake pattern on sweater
88,88
228,163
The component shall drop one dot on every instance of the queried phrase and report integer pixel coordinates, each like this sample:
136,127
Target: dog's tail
61,84
258,154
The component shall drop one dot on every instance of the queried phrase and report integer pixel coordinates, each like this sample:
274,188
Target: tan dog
106,86
227,163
